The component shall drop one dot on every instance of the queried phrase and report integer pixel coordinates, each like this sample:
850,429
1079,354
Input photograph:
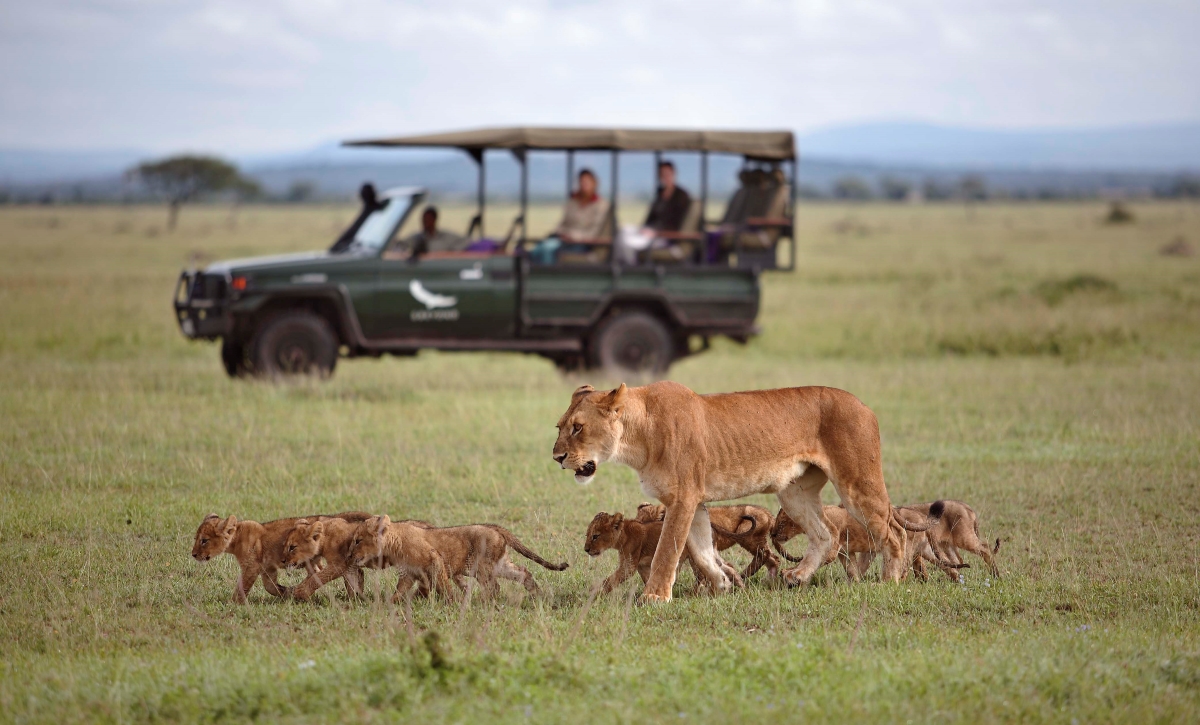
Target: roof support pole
615,190
522,157
612,210
570,170
794,209
476,155
703,189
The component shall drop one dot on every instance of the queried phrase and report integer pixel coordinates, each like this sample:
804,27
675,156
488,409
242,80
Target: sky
263,76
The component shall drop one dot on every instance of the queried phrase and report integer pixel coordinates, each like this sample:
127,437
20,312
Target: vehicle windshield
379,226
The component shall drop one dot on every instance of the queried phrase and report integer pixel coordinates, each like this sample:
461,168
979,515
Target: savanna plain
1030,359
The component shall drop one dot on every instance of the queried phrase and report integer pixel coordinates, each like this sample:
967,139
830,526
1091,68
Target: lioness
851,540
689,449
257,547
477,550
745,525
330,539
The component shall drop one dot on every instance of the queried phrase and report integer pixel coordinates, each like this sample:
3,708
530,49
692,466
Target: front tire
632,344
233,358
295,343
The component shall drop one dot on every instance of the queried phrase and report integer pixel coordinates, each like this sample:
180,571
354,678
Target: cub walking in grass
328,539
745,525
957,528
850,538
635,541
431,556
257,547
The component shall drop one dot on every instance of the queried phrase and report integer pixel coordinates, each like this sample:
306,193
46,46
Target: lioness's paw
792,579
651,598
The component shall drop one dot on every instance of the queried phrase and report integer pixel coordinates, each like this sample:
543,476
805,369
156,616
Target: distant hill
32,166
1048,162
1164,147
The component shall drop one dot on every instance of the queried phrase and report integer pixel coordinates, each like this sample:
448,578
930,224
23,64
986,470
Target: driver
432,239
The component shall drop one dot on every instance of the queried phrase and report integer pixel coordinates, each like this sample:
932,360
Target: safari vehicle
365,296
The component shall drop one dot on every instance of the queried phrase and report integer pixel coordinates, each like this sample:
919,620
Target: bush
1118,214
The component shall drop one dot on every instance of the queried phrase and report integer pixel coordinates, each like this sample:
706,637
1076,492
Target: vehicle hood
267,262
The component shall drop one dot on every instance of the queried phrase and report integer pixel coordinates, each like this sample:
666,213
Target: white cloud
272,74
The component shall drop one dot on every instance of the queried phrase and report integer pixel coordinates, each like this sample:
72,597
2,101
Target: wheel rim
636,354
294,355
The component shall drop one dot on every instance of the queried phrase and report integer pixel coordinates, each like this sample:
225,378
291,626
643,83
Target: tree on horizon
183,178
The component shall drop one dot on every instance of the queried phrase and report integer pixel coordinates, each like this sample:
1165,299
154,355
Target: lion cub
257,547
328,539
957,528
850,538
635,542
432,555
726,522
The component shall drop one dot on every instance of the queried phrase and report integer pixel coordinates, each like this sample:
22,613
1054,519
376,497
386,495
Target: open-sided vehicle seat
755,217
682,245
599,250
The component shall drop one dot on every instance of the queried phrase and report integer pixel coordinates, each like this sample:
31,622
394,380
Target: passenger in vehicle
432,239
671,202
584,219
586,211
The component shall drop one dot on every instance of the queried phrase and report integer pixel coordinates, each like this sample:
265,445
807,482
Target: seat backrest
763,194
691,220
606,230
735,210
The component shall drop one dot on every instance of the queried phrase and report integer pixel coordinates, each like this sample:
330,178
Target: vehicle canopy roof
765,145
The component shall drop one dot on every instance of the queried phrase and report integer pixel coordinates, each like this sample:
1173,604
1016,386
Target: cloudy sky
265,75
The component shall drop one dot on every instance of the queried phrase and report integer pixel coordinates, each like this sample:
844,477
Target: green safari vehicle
594,307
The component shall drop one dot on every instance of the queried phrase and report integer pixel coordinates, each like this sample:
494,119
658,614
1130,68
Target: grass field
1028,359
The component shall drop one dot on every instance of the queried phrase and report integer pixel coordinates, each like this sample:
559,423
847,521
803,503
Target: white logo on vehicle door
433,304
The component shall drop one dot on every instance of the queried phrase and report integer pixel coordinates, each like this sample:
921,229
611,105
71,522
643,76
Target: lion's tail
737,535
525,551
784,554
935,514
997,547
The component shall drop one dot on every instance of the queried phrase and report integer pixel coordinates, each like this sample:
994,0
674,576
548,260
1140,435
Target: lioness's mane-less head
366,548
303,542
589,433
602,533
213,537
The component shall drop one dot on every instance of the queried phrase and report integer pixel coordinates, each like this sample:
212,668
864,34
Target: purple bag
483,245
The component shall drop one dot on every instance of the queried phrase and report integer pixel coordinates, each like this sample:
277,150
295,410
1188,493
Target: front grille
208,287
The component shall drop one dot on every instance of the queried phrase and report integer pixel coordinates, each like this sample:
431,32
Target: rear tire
632,344
295,343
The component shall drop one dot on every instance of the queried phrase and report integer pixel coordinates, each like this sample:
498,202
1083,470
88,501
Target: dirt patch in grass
1055,291
1059,342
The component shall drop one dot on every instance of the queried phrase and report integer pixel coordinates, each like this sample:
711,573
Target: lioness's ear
229,525
384,522
316,530
616,399
210,517
617,519
581,390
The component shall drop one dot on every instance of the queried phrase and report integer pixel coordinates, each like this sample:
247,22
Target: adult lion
689,449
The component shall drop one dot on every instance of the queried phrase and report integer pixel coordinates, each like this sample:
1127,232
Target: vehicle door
445,295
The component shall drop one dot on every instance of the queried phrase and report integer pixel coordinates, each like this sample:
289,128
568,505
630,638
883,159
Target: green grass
1030,360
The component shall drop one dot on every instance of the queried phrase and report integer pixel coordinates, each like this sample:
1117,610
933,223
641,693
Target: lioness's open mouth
587,470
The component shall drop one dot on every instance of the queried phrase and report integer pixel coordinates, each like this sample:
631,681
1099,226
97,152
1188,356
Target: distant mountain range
1162,147
1068,161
